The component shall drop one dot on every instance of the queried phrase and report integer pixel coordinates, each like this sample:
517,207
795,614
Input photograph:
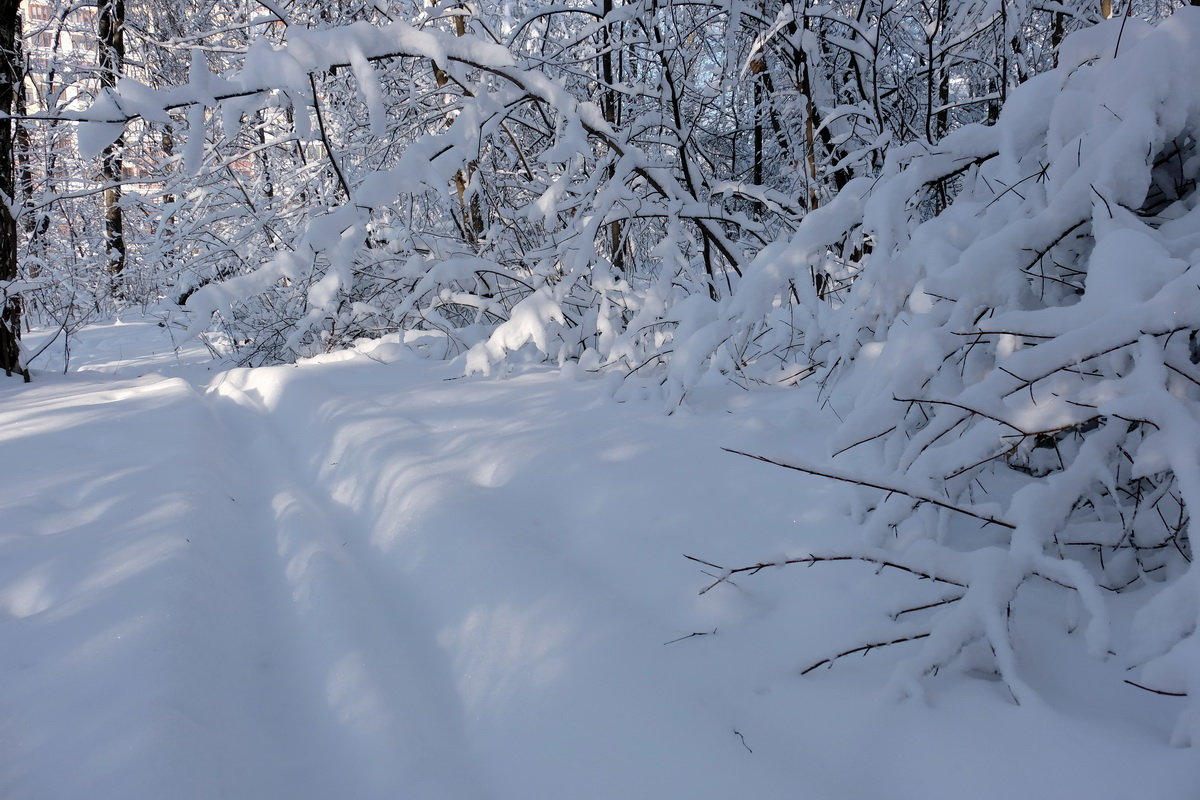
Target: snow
363,576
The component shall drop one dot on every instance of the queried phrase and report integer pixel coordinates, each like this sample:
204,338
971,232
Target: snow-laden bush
1018,367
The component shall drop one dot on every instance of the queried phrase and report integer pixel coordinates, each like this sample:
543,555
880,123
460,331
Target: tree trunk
470,218
610,103
10,311
111,31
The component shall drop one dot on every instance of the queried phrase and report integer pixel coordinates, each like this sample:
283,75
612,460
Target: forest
906,292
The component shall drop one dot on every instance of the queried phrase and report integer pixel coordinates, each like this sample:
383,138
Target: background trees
721,124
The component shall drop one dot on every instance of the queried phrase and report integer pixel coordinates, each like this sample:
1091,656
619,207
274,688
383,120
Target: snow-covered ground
362,577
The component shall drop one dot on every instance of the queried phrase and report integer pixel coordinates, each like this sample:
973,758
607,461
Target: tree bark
10,311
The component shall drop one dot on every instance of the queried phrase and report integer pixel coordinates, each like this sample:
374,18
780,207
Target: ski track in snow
346,580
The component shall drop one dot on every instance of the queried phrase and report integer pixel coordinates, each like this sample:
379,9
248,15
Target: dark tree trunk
10,313
610,102
111,30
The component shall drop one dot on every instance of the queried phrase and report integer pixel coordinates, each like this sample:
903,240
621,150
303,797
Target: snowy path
350,580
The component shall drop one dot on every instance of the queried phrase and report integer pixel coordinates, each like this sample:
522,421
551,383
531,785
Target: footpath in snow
358,579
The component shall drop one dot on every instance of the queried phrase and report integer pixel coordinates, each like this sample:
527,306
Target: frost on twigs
1023,361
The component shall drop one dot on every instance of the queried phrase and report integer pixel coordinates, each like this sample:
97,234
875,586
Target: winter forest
599,399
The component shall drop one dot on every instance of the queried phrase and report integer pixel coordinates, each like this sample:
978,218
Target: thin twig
690,635
883,488
864,649
702,561
926,606
814,559
1156,691
864,441
960,407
